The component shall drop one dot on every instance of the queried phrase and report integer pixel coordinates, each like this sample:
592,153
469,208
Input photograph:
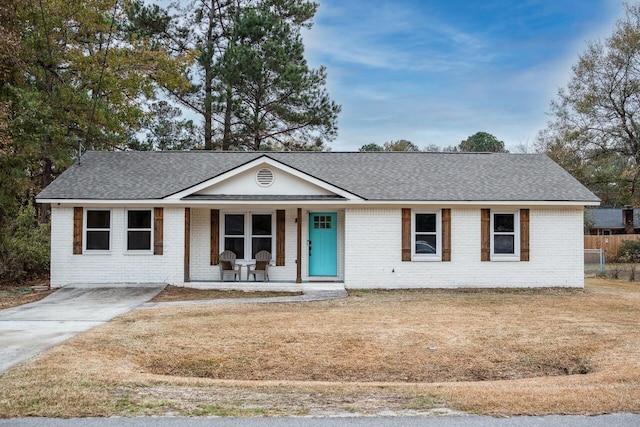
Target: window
246,233
261,235
139,230
322,222
234,234
505,235
425,235
98,230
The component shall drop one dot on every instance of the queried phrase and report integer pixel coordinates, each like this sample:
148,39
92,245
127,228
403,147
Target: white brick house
362,220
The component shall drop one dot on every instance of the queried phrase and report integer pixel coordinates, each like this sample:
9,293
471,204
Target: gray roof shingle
374,176
609,218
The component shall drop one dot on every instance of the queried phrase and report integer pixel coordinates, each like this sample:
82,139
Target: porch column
187,243
299,249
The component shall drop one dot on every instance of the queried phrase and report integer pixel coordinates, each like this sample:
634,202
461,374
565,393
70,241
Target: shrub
630,251
24,246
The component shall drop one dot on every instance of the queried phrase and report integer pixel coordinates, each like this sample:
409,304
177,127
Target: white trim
342,203
438,233
259,162
516,236
85,230
126,232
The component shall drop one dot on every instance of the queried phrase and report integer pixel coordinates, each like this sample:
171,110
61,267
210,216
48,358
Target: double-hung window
505,238
425,236
98,230
246,234
139,230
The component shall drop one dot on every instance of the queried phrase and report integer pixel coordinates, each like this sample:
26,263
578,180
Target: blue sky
436,72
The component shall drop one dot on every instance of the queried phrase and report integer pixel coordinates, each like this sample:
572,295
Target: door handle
309,247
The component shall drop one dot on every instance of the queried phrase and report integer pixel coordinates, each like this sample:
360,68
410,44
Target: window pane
98,219
234,225
235,245
503,244
139,219
260,244
426,223
98,240
503,223
138,240
425,244
261,225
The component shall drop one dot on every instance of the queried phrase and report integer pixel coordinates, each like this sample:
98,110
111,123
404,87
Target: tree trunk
208,83
47,176
226,140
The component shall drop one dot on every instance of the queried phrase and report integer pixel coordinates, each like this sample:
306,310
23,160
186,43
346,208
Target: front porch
301,256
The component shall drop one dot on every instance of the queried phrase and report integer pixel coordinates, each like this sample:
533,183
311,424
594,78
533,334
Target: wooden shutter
524,234
406,234
485,235
158,230
214,237
280,236
77,231
446,234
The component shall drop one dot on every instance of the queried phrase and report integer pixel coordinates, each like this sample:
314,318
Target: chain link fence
594,262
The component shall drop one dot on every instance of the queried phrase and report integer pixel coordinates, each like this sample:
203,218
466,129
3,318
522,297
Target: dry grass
493,352
12,295
177,293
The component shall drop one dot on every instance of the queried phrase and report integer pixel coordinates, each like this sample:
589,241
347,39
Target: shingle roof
609,218
374,176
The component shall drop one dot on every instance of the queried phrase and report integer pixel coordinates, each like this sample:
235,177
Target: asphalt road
615,420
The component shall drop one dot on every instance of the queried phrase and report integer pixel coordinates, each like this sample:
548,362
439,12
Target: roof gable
242,181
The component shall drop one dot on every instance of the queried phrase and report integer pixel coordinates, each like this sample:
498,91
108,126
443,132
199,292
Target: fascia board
359,203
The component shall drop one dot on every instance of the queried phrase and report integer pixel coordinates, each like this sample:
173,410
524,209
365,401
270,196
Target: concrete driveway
28,330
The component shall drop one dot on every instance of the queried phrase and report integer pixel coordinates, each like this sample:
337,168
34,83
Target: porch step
269,286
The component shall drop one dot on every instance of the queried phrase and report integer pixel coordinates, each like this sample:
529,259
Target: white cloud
400,73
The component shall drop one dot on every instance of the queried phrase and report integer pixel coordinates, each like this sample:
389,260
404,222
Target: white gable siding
116,266
373,253
284,183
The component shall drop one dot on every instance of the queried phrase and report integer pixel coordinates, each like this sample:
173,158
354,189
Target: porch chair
228,265
261,266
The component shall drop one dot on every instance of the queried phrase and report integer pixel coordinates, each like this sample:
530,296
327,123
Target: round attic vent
264,177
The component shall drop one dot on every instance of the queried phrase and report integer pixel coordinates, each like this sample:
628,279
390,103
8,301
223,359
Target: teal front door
323,244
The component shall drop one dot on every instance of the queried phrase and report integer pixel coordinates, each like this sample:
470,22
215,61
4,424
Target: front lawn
497,352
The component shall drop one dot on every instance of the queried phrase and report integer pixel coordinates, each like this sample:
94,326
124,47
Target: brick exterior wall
373,253
369,252
116,266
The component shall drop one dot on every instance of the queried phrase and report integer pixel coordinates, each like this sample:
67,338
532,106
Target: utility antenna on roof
79,151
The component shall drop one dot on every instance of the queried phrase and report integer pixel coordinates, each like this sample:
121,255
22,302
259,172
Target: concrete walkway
308,296
29,329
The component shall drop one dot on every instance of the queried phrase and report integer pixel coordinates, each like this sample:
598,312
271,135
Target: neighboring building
362,220
608,221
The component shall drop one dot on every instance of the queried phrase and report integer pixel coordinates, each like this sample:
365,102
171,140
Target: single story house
608,221
359,219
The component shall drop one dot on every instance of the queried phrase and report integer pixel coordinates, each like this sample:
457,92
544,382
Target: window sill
95,252
435,258
137,253
507,258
